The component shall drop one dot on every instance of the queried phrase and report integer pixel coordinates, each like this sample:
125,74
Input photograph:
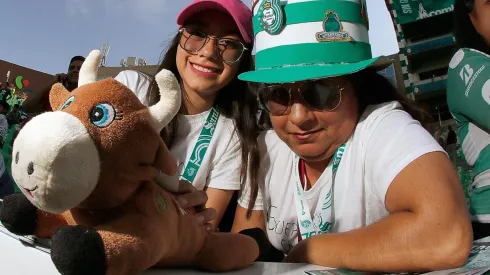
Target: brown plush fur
141,225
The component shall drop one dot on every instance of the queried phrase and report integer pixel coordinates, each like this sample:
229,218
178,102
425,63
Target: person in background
349,177
468,98
450,144
38,101
438,136
6,182
218,113
4,125
451,138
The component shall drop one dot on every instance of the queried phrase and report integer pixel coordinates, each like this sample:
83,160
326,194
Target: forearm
219,200
401,242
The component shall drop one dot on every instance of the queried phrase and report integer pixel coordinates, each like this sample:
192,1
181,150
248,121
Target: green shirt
468,97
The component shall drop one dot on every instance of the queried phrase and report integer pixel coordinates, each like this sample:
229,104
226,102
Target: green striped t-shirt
468,97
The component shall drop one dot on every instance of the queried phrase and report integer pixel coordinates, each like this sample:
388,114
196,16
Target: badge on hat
271,16
333,29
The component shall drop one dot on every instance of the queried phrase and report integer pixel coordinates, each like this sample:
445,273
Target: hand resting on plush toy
189,197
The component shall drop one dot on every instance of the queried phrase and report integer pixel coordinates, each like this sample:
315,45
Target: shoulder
134,80
137,82
463,55
382,115
132,76
465,64
468,75
381,123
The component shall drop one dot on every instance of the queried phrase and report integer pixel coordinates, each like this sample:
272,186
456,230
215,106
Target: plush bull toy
87,172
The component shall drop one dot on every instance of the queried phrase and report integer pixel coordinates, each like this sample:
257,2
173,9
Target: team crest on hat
271,16
333,29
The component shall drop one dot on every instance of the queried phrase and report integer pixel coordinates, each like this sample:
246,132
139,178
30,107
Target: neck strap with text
201,146
322,221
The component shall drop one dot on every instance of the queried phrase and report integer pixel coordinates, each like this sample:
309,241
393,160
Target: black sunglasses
320,95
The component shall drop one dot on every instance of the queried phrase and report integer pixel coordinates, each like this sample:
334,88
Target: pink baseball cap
236,8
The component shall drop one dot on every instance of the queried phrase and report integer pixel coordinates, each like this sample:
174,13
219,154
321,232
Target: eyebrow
226,32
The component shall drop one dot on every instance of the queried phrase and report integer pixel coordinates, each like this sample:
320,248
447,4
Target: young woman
468,97
349,177
214,138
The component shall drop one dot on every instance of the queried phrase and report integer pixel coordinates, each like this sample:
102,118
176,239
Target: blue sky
45,34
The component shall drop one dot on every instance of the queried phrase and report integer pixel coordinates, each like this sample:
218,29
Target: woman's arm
241,221
428,229
218,199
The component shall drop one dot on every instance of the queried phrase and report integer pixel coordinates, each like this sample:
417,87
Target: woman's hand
189,197
298,254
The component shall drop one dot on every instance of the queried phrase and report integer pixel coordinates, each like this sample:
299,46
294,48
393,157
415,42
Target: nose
301,116
30,168
209,49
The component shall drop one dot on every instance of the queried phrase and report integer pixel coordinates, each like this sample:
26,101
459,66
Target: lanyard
201,146
323,221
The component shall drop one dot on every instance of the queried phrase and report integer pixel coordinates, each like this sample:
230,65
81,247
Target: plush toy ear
58,96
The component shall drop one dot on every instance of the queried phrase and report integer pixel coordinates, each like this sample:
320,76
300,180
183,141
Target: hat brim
309,72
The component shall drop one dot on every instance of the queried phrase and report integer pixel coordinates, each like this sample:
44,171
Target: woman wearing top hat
468,97
349,177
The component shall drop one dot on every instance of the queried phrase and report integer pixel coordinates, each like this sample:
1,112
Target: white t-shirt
220,168
384,142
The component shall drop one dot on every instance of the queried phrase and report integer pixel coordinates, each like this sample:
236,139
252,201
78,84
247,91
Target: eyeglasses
320,95
230,50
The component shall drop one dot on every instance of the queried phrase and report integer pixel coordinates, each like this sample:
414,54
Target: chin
310,152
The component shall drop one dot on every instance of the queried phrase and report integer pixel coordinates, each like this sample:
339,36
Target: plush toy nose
30,168
56,162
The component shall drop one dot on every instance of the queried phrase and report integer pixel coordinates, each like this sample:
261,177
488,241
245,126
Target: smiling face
315,135
205,73
74,71
480,17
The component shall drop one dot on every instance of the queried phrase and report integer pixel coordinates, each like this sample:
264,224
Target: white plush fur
66,161
88,71
170,100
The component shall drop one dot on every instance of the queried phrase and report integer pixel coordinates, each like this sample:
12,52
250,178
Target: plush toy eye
67,102
102,115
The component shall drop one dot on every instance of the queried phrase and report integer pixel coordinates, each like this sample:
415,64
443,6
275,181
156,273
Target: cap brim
308,72
201,6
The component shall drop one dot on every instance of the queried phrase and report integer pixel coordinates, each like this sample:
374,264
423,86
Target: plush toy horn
88,71
170,100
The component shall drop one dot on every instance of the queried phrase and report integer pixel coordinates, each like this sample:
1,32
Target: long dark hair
464,31
234,101
371,88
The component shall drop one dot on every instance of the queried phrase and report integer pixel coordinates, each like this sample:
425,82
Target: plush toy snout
55,162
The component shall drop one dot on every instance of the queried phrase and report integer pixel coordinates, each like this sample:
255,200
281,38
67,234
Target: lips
304,136
306,133
205,68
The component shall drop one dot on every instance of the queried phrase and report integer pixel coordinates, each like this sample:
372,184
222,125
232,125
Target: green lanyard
201,146
323,220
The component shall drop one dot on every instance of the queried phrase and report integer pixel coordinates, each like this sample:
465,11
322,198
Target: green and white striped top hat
297,40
